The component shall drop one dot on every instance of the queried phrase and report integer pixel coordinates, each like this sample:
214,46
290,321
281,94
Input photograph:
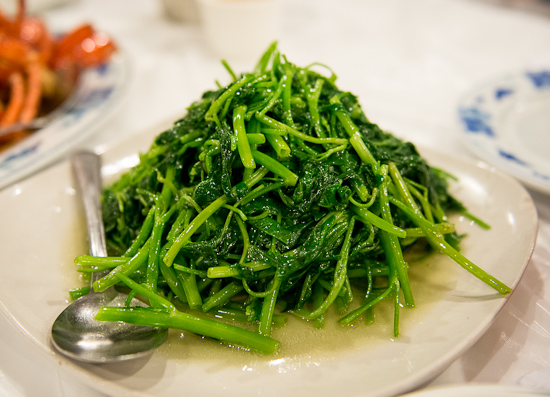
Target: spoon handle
87,171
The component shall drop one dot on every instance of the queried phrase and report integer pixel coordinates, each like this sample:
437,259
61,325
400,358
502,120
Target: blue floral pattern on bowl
540,79
501,122
476,121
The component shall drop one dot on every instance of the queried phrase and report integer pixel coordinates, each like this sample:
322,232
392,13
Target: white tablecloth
408,61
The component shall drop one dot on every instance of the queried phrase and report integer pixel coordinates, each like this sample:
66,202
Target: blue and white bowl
506,122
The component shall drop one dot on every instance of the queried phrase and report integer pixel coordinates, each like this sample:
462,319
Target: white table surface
408,61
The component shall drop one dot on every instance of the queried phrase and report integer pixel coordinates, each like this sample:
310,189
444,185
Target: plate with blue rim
98,90
506,122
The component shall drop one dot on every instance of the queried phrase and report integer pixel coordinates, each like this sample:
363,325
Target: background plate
96,95
42,237
506,122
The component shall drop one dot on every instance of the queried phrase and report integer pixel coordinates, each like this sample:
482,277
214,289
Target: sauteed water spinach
273,196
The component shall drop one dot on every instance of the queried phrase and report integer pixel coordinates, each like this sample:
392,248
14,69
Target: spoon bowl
75,333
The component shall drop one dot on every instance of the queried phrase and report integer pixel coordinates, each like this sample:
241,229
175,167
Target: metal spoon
75,333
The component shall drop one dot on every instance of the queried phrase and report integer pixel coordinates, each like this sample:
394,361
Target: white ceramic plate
506,122
41,237
98,91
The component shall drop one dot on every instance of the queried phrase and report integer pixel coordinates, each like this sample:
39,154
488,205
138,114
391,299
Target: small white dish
95,97
41,237
506,122
239,30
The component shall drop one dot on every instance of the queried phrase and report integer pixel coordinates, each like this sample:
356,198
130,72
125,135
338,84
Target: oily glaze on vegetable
272,196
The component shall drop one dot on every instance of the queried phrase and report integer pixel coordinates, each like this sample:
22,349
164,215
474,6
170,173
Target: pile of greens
273,195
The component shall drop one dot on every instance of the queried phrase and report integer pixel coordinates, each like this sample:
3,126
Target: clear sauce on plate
303,345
